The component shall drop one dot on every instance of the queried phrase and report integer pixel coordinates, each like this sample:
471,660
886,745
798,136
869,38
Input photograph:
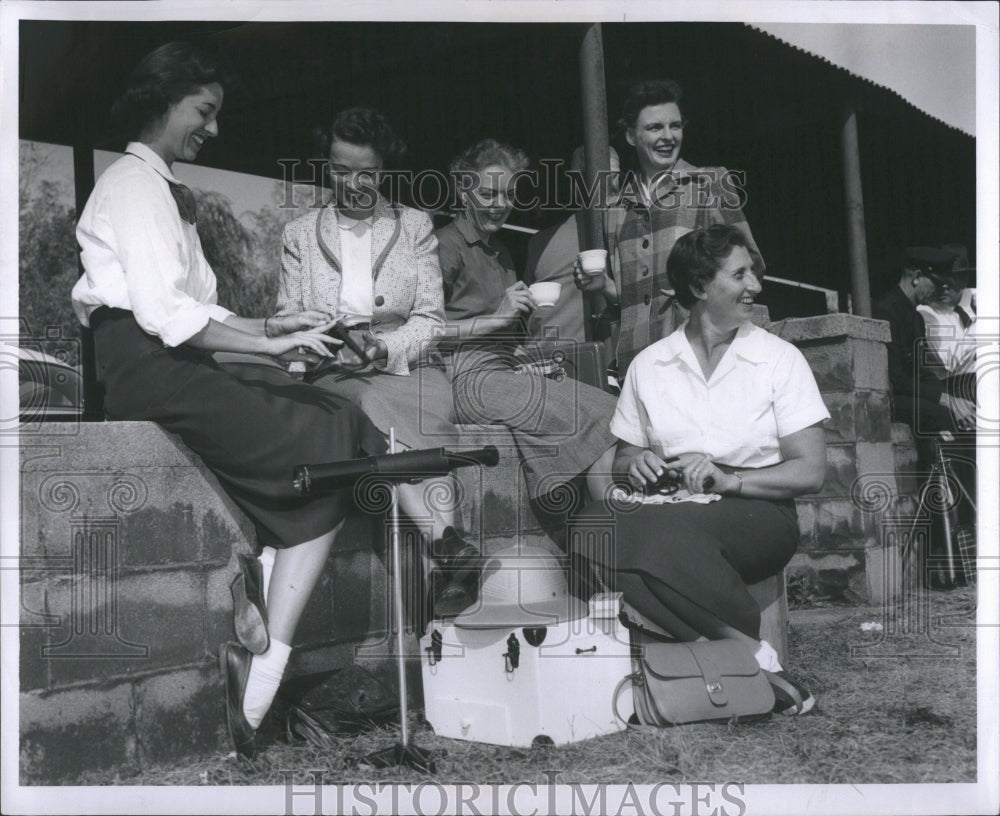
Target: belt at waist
102,313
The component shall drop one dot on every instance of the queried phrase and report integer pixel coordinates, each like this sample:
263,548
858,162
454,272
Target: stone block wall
843,553
128,546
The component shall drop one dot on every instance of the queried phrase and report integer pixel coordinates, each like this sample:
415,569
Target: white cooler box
558,688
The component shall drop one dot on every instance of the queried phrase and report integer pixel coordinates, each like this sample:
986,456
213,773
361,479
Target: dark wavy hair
645,93
368,128
163,78
697,256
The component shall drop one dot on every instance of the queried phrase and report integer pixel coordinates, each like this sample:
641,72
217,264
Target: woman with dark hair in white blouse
150,297
735,413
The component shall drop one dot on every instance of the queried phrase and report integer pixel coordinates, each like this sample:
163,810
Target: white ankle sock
767,657
265,677
266,559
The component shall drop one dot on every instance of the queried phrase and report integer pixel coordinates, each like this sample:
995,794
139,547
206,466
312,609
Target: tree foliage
246,257
47,252
229,249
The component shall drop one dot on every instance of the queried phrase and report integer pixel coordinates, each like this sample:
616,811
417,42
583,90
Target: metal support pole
595,145
857,244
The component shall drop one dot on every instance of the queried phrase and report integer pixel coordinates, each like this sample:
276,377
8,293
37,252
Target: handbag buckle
714,688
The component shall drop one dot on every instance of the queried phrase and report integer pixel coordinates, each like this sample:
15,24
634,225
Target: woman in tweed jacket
373,265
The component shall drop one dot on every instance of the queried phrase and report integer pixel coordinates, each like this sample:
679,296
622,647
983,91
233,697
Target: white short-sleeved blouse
138,254
761,390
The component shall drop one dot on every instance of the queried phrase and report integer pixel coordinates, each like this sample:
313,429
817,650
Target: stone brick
861,416
316,624
841,525
174,515
841,471
819,575
904,457
493,500
872,416
833,525
138,623
883,572
821,327
136,445
875,457
832,366
218,608
179,714
364,609
840,427
168,535
67,732
871,364
33,634
806,511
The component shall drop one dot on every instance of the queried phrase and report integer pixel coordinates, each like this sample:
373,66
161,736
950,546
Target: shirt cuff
185,323
396,361
219,313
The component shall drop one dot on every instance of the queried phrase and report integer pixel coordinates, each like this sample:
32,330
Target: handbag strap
635,679
622,684
713,680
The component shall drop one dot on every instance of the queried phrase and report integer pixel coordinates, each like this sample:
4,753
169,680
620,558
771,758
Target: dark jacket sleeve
904,353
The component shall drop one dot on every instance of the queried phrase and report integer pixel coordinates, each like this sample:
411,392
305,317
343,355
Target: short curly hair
698,255
163,78
486,152
368,128
645,93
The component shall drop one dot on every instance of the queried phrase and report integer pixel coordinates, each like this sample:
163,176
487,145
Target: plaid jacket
639,239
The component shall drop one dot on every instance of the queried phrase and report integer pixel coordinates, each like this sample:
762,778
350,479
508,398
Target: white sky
934,67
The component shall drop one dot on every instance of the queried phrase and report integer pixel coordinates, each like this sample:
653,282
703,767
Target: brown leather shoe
234,661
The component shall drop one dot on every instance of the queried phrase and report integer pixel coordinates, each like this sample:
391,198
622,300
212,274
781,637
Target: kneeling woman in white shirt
724,400
150,297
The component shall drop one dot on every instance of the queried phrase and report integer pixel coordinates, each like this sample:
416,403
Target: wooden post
595,145
857,244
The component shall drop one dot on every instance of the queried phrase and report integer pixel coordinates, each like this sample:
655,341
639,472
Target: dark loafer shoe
455,589
249,609
234,661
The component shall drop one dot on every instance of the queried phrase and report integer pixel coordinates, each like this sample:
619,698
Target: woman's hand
585,282
301,343
697,468
295,321
517,300
644,468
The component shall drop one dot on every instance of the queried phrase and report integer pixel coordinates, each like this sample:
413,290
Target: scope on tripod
409,466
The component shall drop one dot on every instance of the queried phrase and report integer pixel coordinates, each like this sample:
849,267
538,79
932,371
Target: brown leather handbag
677,682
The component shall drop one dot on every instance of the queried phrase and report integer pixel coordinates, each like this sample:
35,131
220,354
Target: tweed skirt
419,407
250,432
560,427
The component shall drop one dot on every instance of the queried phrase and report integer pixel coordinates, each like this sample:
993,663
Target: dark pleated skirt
668,559
250,432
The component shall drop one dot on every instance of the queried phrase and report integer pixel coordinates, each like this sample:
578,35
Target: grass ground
893,707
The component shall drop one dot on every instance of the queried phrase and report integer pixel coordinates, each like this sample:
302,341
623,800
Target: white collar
347,223
152,158
749,343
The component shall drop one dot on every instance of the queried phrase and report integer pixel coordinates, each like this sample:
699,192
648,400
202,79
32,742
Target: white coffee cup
545,293
593,262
